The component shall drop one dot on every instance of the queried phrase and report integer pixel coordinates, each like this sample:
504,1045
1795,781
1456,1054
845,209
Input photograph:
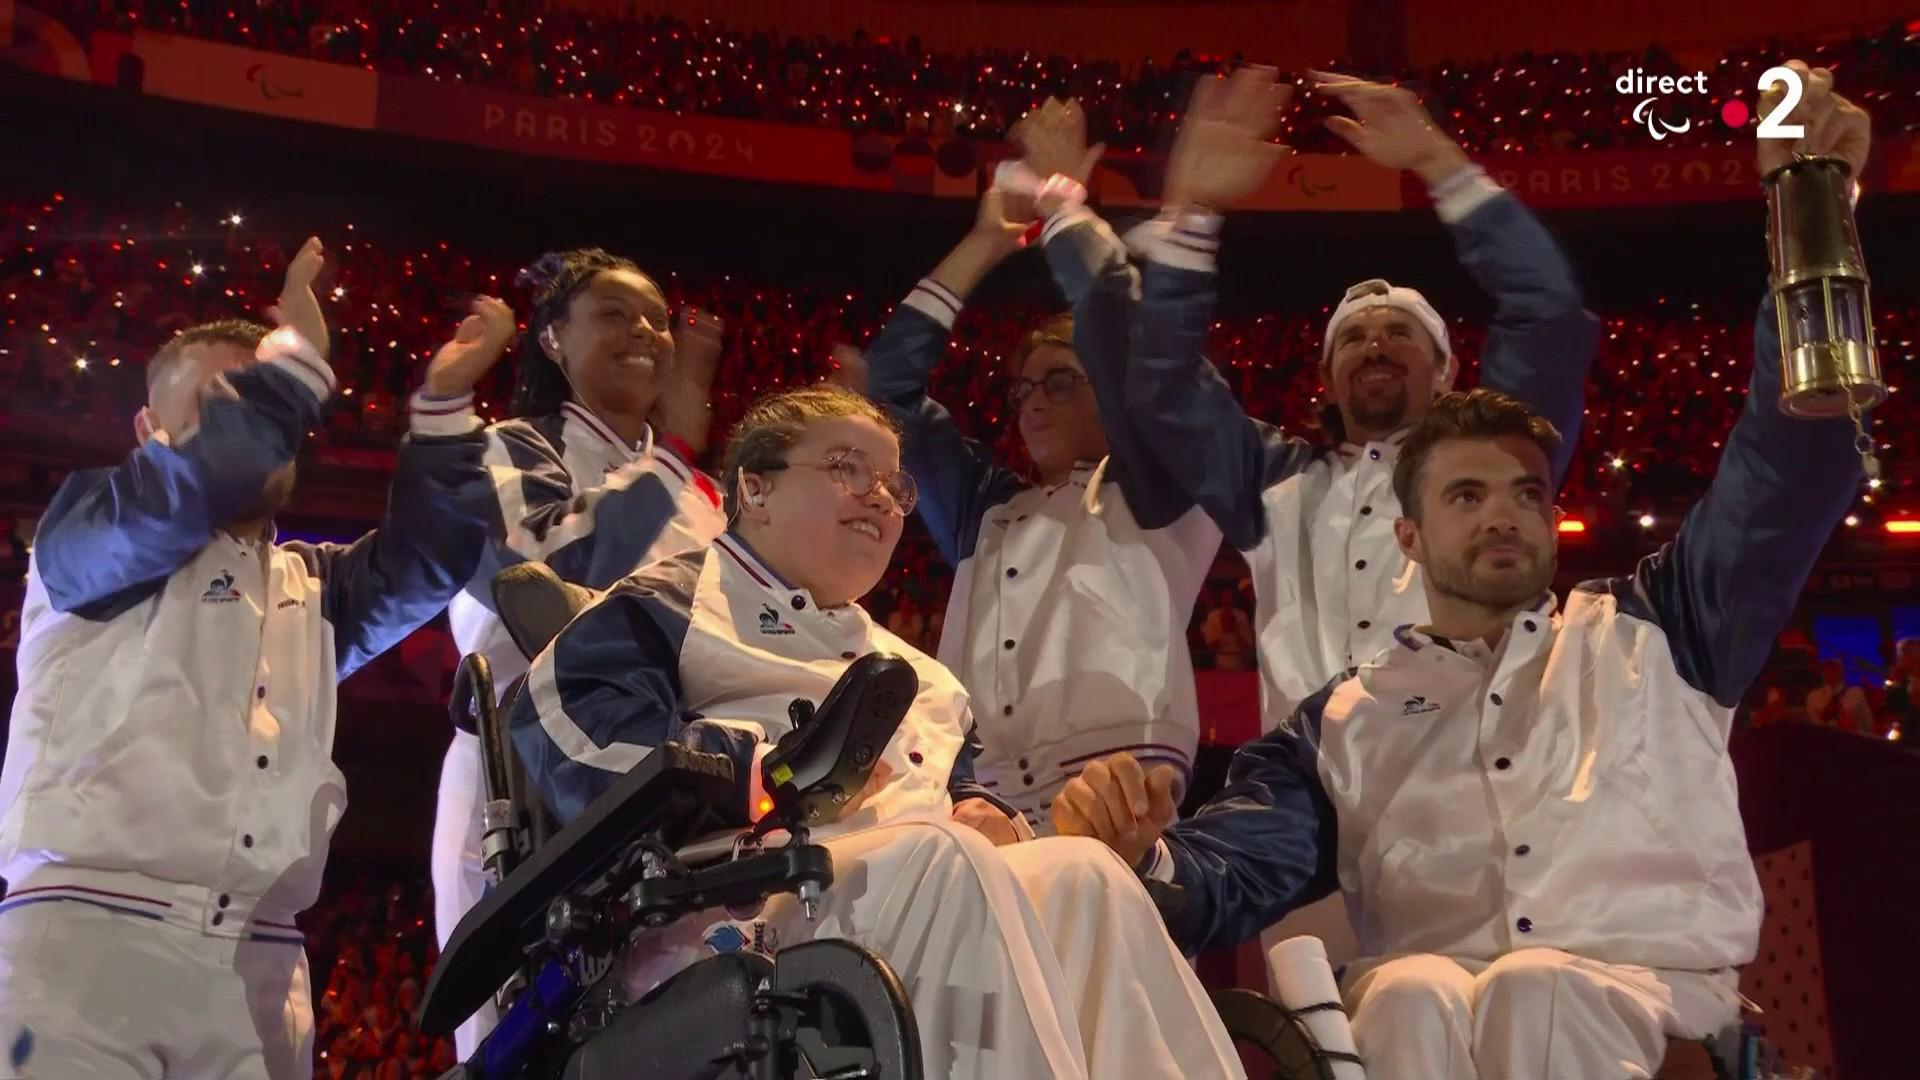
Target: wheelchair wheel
843,1012
1261,1024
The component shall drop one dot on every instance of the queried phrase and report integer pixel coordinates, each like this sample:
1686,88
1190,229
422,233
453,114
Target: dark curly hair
555,278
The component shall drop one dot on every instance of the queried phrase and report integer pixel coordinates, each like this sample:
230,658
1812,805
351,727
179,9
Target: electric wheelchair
565,902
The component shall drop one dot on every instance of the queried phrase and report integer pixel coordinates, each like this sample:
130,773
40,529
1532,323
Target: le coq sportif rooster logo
220,590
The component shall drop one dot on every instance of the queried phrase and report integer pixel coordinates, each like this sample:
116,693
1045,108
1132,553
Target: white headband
1376,292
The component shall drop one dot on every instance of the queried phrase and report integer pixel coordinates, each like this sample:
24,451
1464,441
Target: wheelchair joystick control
809,893
814,770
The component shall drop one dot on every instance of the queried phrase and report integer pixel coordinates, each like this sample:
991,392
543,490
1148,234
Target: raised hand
1390,126
478,344
298,307
1222,154
1119,803
1835,127
1053,140
685,408
1001,221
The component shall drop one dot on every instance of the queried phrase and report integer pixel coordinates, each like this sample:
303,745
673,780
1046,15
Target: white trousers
1041,959
458,882
89,994
1536,1014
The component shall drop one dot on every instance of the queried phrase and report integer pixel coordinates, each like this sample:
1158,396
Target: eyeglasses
858,478
1060,384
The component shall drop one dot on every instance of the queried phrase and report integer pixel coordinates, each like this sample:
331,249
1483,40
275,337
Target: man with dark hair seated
1531,812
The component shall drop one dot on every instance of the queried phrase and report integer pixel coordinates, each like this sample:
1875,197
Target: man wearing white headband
1316,522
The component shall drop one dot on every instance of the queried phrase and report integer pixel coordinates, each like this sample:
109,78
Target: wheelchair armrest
743,882
713,847
664,796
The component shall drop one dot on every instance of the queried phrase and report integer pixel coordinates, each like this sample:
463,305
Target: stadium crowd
896,86
121,282
370,933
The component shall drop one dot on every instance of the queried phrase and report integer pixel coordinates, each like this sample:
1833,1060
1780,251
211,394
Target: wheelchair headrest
535,604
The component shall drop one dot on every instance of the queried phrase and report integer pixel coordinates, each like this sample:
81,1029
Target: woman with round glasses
583,482
1074,583
1029,960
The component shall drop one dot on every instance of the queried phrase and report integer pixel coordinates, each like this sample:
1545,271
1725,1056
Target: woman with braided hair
583,481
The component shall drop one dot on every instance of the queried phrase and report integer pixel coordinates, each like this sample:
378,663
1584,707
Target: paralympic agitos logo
1636,81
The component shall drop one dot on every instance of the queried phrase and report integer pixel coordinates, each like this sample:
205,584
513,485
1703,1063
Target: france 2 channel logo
1733,112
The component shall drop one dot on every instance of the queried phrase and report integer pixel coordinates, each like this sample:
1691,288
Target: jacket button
1365,510
849,655
1013,571
799,603
1374,454
1495,698
260,692
1522,849
1529,625
247,840
1006,710
1365,624
1502,763
218,918
915,757
1024,765
1525,925
1360,564
1027,779
261,761
1008,643
225,899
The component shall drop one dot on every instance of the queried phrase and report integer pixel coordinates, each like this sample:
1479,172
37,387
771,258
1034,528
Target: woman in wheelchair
1022,958
582,483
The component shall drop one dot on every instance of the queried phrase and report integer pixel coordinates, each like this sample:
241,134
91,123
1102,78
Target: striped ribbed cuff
442,417
1462,193
290,351
935,301
1188,240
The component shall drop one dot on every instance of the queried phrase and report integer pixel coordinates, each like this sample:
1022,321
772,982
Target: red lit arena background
794,167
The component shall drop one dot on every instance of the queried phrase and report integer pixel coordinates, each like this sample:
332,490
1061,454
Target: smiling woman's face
810,528
615,343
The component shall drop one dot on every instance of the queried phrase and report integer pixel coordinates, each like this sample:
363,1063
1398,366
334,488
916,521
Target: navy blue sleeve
957,477
961,784
385,585
1726,584
606,691
1090,265
1265,845
110,533
1542,341
589,535
1186,414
